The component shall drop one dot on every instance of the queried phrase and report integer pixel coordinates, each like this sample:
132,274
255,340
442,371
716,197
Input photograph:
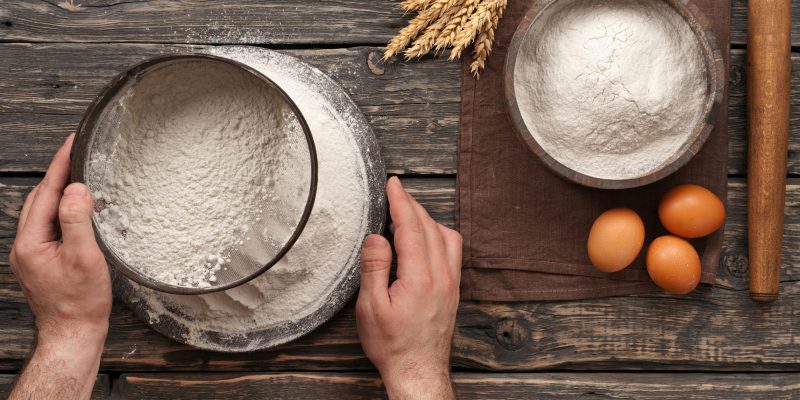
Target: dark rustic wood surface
56,54
281,22
101,390
717,328
467,385
413,107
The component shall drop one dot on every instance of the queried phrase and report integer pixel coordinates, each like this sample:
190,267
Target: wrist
72,335
418,384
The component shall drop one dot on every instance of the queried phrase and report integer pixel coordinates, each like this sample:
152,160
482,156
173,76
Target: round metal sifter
274,220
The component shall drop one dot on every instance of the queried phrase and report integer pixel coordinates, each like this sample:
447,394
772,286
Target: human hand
57,261
406,329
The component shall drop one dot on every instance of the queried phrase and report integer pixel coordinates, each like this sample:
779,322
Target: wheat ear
426,41
415,5
483,44
410,32
448,34
468,33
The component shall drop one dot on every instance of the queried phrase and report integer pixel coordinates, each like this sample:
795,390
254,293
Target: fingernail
76,189
395,181
374,241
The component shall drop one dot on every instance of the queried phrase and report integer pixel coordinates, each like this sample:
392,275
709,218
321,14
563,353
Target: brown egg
691,211
615,240
673,264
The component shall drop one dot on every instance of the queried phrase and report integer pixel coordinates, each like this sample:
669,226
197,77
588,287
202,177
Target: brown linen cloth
524,228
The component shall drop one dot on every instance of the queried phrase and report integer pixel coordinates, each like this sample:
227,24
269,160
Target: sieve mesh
276,219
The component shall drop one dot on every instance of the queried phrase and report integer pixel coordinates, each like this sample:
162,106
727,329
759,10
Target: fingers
434,241
26,208
453,244
75,217
376,263
40,221
409,233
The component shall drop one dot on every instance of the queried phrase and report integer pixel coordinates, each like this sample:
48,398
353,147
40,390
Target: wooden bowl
715,72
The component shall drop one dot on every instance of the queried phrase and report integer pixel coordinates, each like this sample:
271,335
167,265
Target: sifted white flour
317,276
205,158
611,88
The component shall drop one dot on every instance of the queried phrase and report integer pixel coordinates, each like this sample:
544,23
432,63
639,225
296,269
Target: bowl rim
84,137
715,71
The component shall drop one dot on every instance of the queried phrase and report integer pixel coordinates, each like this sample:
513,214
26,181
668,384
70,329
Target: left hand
57,261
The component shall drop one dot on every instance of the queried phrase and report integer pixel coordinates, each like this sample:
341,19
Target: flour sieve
274,220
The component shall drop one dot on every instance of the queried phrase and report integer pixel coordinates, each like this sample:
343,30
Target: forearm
60,368
420,387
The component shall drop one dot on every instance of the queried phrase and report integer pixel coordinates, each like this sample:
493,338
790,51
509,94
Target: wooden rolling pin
768,84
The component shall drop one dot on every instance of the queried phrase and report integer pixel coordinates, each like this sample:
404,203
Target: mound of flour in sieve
611,88
205,159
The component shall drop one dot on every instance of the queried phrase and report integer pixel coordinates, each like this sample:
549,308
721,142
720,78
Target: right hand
406,329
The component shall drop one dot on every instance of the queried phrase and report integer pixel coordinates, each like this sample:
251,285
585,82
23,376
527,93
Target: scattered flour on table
206,158
321,258
612,88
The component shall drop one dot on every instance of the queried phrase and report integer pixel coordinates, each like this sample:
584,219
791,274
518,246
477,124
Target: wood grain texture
283,22
101,391
739,22
768,96
413,107
467,386
716,328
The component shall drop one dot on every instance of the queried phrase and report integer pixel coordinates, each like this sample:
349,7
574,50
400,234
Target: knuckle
20,249
375,261
32,193
415,227
72,211
454,236
426,282
362,307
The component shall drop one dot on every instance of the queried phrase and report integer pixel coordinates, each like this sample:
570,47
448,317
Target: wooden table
55,55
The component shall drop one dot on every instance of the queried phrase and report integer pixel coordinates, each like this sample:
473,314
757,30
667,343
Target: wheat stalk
455,24
440,24
410,32
414,5
483,14
483,44
427,40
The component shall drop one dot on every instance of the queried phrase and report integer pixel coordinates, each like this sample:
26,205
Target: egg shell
615,240
673,264
691,211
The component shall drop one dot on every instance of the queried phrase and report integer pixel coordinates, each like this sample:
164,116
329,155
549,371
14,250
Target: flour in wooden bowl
612,89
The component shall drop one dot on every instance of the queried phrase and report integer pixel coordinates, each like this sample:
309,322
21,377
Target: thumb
376,263
75,216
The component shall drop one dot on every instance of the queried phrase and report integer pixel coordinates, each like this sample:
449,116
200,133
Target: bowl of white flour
203,171
614,94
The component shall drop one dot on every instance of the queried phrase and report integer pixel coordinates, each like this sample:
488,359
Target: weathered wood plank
412,107
281,22
101,391
739,22
467,386
737,115
712,329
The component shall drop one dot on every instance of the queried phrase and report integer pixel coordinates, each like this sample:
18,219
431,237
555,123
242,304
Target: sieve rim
79,155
